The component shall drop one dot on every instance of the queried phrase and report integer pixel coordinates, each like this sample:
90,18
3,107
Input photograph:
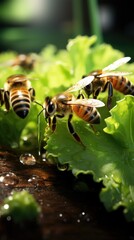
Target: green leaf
108,154
12,126
79,49
120,125
20,206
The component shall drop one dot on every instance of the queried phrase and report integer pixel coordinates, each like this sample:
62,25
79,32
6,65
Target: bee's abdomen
122,84
20,101
88,114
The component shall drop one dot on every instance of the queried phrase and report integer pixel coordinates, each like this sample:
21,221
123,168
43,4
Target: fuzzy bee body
66,104
20,101
101,80
122,84
18,94
88,114
25,61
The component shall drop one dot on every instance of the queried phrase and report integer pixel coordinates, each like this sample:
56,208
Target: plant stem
94,19
78,17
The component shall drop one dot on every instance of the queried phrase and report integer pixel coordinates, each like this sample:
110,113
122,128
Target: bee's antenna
38,103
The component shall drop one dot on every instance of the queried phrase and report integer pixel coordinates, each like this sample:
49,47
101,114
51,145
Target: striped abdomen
122,84
20,101
88,114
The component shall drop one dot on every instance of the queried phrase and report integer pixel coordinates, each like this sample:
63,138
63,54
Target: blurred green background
29,25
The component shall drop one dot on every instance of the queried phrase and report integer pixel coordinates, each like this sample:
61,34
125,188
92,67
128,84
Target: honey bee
26,61
18,94
66,104
102,80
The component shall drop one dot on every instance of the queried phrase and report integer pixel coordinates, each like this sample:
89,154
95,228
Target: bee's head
50,107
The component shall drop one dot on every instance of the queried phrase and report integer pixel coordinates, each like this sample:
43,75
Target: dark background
29,25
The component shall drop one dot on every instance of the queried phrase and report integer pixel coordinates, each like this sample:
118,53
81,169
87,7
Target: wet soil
66,212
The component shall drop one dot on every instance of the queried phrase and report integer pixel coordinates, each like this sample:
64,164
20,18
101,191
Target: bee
26,61
18,94
102,80
66,104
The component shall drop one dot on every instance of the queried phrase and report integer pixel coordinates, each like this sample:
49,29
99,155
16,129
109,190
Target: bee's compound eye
51,108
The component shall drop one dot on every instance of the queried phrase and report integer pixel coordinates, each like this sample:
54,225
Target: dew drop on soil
62,167
36,181
84,216
60,215
8,179
9,218
27,159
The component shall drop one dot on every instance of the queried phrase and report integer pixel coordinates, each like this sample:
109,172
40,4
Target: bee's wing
107,74
81,84
117,64
21,79
7,63
87,102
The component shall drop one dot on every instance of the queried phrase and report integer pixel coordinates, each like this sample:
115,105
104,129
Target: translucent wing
87,102
117,64
7,63
81,84
106,74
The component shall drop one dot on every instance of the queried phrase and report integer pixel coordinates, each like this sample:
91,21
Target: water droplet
60,215
6,206
15,145
36,181
43,157
48,204
9,218
97,133
8,179
84,216
62,167
27,159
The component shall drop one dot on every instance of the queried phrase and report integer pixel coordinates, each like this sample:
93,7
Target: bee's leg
6,100
52,123
32,93
110,94
109,86
54,120
80,95
93,128
1,96
97,92
72,131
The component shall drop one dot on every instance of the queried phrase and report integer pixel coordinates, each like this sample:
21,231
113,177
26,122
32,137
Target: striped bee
18,94
25,61
66,104
106,79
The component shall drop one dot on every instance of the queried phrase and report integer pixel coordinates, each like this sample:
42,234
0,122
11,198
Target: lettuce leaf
108,153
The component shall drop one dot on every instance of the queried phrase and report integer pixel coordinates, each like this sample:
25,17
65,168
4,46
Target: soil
70,207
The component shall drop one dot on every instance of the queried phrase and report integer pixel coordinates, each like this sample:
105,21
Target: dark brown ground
67,213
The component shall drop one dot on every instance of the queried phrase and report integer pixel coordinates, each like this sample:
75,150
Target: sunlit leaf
106,153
